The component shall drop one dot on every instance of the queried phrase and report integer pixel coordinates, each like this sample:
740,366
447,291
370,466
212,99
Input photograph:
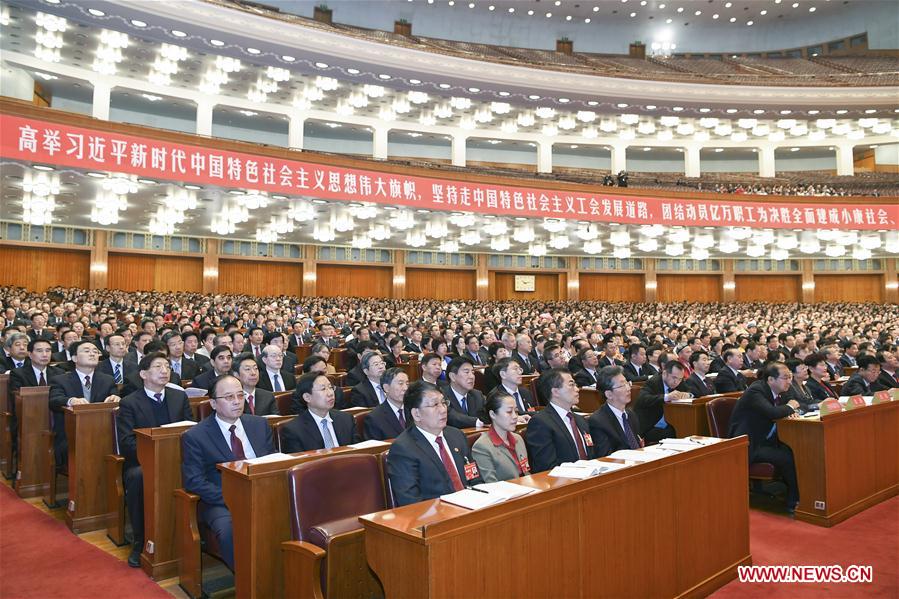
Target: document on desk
368,444
634,455
582,469
505,489
272,457
471,499
688,443
179,423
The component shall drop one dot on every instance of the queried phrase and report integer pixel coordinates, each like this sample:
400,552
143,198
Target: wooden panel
849,288
502,286
768,288
689,288
267,278
612,287
141,272
358,281
38,269
430,283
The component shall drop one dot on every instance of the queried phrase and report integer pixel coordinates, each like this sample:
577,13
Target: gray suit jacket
494,461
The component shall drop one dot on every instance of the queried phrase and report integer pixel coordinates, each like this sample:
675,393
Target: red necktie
256,350
236,445
252,404
450,466
401,418
42,382
581,451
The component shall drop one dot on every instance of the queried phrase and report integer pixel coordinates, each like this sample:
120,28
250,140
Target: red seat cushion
761,470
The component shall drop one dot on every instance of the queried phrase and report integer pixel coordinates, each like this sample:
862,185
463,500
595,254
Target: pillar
102,92
458,150
295,132
482,278
99,265
650,291
619,158
691,161
204,118
379,151
309,271
211,266
845,161
399,274
728,282
766,161
574,279
544,157
890,282
808,282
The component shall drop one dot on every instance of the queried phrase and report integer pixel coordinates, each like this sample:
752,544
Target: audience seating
7,410
115,489
193,538
719,411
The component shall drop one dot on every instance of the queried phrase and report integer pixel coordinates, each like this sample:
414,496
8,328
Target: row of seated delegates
319,425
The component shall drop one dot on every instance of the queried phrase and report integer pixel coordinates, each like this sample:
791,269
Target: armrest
115,498
187,540
301,567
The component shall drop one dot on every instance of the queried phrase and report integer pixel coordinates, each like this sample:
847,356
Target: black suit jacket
189,369
288,380
24,377
203,446
202,362
603,362
820,392
62,359
697,387
69,385
754,414
303,432
584,378
608,436
835,373
650,404
354,376
456,416
264,403
382,423
885,381
529,367
136,411
728,382
549,440
856,385
133,382
846,361
341,402
128,369
415,471
204,380
45,334
630,373
363,395
803,395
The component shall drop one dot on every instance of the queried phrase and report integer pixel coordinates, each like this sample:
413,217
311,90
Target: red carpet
870,538
39,557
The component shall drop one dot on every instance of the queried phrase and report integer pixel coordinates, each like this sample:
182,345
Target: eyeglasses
229,397
627,385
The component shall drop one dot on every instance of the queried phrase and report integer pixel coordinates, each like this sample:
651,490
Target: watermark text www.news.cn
814,574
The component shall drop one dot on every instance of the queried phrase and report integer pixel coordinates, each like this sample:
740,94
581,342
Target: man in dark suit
326,336
35,372
589,373
889,370
556,434
272,374
317,364
221,361
428,459
610,348
522,354
413,343
613,426
82,385
63,356
368,392
16,346
697,383
186,369
319,426
115,365
299,335
226,436
463,400
865,379
38,330
473,350
834,365
152,406
259,402
635,368
756,414
509,374
650,404
850,354
140,342
191,345
388,420
729,378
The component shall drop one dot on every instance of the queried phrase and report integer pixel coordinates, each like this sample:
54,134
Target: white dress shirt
241,434
432,441
318,425
563,414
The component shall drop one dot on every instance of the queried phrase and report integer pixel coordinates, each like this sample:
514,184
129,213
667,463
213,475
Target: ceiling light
138,23
96,12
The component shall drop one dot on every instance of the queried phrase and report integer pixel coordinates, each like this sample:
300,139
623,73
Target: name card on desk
368,444
471,499
272,457
830,406
856,401
179,423
881,397
584,469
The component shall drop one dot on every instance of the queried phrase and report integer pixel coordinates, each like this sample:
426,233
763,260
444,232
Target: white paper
636,456
688,400
579,469
692,442
273,416
369,443
505,489
472,500
195,392
272,457
179,423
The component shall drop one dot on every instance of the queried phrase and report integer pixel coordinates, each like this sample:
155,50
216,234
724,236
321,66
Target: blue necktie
278,386
464,401
629,433
118,374
326,434
662,423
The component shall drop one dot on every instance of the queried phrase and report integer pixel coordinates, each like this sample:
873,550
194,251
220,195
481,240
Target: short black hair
694,357
304,385
312,361
147,360
219,349
457,363
389,375
549,380
604,380
427,358
34,342
492,403
415,395
865,361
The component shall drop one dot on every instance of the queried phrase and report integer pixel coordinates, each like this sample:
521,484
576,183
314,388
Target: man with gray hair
522,353
15,351
272,376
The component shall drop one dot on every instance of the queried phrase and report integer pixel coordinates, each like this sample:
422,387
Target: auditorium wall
372,281
443,284
260,278
39,269
546,286
142,272
611,287
849,288
688,288
768,288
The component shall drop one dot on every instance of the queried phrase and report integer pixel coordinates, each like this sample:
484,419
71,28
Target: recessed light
871,111
758,111
253,51
763,13
668,20
564,100
96,12
321,65
786,111
530,13
491,7
534,97
549,15
288,58
353,71
795,5
445,86
595,9
814,111
384,76
474,90
471,5
42,167
587,20
147,181
749,23
633,14
138,23
217,43
812,9
733,19
193,187
704,110
622,105
680,9
592,103
715,16
842,111
677,108
178,33
568,18
697,13
504,94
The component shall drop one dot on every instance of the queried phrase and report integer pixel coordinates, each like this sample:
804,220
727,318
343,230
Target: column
399,274
728,282
295,132
99,268
102,91
890,282
309,271
574,279
458,150
808,282
482,278
766,161
845,161
691,161
211,266
380,143
649,280
619,158
204,118
544,157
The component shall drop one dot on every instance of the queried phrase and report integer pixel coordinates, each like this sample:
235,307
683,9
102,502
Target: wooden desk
689,543
89,433
589,400
33,411
692,418
6,427
846,462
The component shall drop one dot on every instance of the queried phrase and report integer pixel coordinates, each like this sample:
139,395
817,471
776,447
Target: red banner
37,141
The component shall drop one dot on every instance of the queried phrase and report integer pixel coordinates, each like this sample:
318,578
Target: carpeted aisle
869,538
40,558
